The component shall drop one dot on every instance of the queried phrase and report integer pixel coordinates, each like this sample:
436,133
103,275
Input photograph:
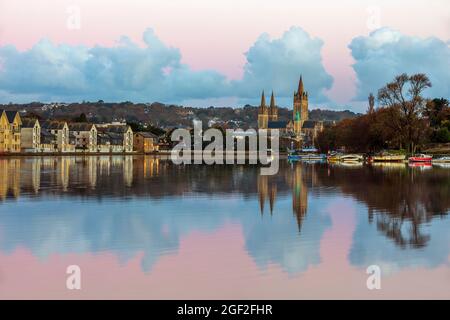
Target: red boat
420,158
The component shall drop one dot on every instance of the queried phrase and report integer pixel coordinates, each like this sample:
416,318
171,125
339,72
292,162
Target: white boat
351,158
441,160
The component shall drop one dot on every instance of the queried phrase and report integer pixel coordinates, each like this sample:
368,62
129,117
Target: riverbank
71,154
135,153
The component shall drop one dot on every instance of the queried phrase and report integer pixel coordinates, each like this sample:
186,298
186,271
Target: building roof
114,129
277,124
29,122
80,126
310,124
147,135
11,115
52,125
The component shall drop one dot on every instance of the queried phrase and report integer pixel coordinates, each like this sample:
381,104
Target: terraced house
115,138
10,124
60,130
83,136
30,140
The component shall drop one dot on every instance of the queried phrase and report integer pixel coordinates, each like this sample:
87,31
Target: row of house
31,135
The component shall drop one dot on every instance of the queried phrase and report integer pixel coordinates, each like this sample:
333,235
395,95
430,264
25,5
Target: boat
351,158
333,157
306,157
441,160
420,158
387,157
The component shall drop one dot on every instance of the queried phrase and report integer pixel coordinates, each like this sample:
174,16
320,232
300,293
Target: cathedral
268,116
299,128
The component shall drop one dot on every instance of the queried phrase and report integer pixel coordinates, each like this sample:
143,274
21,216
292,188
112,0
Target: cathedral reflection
295,180
400,200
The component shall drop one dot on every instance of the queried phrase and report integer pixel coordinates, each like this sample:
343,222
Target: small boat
387,157
351,158
420,158
306,157
334,156
441,160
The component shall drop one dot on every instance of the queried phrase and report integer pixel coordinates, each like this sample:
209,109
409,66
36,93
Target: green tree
81,118
442,135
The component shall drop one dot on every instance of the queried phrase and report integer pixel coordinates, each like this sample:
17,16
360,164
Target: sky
222,53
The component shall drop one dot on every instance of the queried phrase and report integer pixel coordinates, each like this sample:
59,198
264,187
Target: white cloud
127,71
386,53
277,64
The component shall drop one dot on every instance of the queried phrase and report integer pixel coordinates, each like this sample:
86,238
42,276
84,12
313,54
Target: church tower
300,114
273,111
263,113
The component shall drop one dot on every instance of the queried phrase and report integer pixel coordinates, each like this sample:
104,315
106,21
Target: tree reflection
400,199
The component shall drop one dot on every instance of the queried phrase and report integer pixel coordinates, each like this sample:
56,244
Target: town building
10,124
30,140
48,141
4,132
60,130
311,131
115,138
145,142
83,136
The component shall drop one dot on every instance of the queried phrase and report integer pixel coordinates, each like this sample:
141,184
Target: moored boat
351,158
420,158
306,157
386,157
441,160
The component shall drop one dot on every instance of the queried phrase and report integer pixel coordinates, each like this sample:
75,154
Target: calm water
141,227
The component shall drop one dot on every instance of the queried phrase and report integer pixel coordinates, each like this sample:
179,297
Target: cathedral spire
300,86
263,102
272,101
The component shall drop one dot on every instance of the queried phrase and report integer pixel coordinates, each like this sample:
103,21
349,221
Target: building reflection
295,180
400,200
9,178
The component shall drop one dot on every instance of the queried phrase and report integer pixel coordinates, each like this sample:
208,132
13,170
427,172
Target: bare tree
403,97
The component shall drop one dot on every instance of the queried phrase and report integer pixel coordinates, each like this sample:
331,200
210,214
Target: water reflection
399,200
127,205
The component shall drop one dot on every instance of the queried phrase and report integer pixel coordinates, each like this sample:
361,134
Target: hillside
161,115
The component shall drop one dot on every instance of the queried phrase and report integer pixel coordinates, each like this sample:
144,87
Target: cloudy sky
203,52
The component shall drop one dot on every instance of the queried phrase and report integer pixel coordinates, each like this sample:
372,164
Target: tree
81,118
371,103
403,97
442,135
437,111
